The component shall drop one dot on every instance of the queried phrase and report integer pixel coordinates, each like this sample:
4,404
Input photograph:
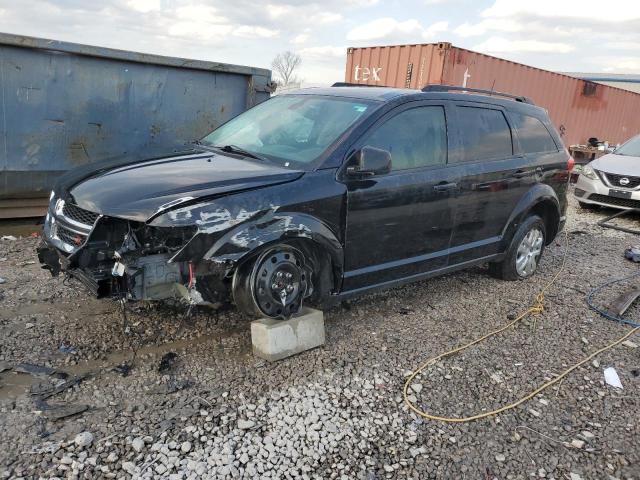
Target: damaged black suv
318,195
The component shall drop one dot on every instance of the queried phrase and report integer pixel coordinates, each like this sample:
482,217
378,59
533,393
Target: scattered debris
622,303
2,280
38,370
60,411
405,311
4,366
606,222
612,378
123,369
174,385
632,254
55,389
629,344
9,237
68,349
167,362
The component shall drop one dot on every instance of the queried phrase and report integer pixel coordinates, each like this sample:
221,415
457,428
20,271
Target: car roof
386,94
365,93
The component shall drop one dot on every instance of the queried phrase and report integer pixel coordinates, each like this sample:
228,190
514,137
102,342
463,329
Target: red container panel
578,108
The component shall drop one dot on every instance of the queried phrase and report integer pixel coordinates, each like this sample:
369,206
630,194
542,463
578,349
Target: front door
400,224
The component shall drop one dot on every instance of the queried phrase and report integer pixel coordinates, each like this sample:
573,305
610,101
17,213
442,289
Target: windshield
291,130
630,147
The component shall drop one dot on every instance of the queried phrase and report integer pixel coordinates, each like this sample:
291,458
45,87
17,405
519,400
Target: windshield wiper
240,151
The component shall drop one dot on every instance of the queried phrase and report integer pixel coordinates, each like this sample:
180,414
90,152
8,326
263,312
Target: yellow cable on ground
536,308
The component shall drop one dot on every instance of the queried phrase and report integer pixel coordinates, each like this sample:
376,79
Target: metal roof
607,77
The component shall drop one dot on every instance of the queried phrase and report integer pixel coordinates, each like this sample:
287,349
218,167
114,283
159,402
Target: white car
612,180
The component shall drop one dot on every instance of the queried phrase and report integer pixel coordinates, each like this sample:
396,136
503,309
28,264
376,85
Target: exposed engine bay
121,258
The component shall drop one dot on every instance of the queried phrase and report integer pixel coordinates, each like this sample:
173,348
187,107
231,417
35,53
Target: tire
274,284
524,253
588,206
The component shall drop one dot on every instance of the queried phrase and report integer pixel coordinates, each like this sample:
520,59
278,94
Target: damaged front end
120,258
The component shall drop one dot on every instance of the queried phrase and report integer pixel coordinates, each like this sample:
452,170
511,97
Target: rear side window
416,138
533,135
485,134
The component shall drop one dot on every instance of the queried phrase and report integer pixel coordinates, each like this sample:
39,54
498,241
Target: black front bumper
55,261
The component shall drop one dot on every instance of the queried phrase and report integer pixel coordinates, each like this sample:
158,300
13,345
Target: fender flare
241,242
540,193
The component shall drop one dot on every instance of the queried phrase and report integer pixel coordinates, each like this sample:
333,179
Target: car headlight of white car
589,172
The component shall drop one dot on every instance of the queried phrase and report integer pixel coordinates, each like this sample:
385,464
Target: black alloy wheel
275,286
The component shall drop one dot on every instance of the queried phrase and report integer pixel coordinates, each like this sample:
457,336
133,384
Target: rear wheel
274,285
523,255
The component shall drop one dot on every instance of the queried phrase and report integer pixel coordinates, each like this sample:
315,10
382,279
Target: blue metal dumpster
65,104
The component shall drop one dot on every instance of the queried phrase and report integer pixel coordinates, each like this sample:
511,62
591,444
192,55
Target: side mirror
370,161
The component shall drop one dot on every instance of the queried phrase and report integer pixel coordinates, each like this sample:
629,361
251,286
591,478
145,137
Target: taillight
570,163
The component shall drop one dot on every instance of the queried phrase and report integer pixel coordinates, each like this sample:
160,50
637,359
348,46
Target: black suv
319,195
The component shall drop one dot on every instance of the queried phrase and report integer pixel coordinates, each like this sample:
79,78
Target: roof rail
347,84
448,88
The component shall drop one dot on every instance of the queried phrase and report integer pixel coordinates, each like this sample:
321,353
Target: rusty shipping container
65,104
580,109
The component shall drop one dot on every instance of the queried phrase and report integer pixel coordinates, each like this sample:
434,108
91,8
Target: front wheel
274,285
523,255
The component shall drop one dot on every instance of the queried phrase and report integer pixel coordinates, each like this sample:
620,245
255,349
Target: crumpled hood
618,164
141,190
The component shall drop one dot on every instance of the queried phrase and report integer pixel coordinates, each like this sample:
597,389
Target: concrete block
277,339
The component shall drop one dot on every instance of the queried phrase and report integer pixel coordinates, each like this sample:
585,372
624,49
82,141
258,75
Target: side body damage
191,248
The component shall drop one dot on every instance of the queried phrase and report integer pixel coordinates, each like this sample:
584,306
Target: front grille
80,215
614,180
69,236
620,202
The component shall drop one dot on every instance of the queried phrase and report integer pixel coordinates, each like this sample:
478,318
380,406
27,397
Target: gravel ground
336,411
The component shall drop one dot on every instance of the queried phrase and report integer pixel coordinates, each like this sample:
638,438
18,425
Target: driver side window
416,138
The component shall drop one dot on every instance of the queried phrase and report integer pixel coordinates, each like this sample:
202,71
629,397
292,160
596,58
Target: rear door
494,175
400,224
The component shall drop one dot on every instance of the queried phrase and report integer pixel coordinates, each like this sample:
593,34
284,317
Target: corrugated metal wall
579,109
66,104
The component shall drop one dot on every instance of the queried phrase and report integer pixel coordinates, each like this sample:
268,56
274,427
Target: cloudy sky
562,35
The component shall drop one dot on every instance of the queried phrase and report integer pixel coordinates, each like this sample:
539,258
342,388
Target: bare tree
285,65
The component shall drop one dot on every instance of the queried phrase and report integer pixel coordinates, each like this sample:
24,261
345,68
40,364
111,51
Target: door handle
445,187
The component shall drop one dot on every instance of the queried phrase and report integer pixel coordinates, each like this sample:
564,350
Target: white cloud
623,45
327,17
497,45
301,38
323,53
252,31
302,13
144,6
488,25
435,29
382,28
611,11
621,65
202,30
199,13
